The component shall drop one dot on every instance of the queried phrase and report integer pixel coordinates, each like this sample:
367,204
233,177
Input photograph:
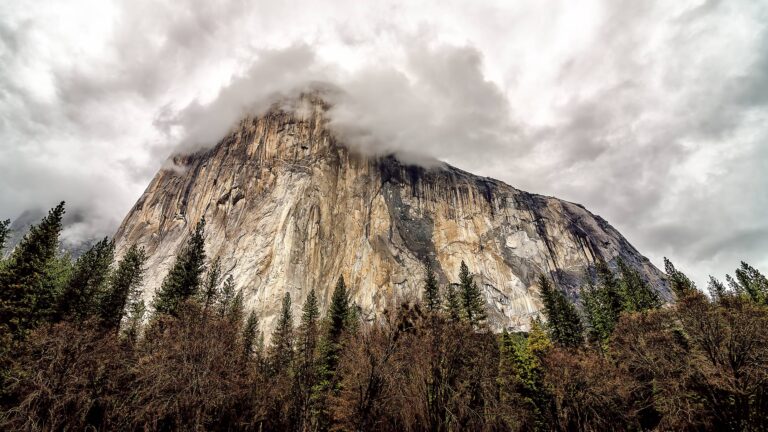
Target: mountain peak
290,208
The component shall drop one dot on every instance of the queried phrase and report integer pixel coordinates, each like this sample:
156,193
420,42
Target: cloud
652,114
436,103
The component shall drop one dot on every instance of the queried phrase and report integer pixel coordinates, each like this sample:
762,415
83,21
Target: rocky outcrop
288,208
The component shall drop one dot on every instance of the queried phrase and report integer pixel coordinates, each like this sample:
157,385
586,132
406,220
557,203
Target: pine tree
184,278
27,285
638,296
5,231
752,283
338,313
136,312
598,313
611,290
562,318
472,302
678,281
716,289
525,357
331,345
249,335
353,318
236,310
282,338
338,321
88,282
307,344
226,297
308,330
452,302
210,291
125,280
431,288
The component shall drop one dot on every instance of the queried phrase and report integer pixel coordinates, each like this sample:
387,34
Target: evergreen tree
638,296
472,302
125,280
752,283
227,296
210,291
604,303
184,278
306,371
353,318
5,231
452,302
249,335
329,354
562,318
598,313
331,345
716,289
527,372
310,312
338,313
431,288
237,308
80,299
136,311
612,291
678,281
27,285
282,338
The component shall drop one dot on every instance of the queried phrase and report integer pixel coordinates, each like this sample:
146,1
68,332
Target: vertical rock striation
289,208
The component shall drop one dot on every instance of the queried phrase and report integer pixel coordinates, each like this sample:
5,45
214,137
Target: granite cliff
289,208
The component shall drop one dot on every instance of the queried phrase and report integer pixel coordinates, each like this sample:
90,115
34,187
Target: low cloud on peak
651,114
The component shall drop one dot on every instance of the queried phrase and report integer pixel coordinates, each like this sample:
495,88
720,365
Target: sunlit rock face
290,208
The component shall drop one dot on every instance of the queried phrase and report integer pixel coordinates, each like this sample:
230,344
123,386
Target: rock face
288,208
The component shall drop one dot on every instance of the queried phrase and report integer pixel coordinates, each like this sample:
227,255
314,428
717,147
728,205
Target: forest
81,350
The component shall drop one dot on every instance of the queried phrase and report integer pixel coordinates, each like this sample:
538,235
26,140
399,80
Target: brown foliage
191,376
68,377
696,366
589,392
699,366
417,372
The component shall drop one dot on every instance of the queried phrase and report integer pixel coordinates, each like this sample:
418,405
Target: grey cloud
655,119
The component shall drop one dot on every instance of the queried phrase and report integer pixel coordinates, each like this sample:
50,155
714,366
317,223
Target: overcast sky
653,115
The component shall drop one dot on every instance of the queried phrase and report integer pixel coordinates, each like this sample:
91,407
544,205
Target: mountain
290,208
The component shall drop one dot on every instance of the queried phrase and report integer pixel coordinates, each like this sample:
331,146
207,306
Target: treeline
80,350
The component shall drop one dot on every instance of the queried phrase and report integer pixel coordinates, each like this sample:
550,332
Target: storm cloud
652,114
